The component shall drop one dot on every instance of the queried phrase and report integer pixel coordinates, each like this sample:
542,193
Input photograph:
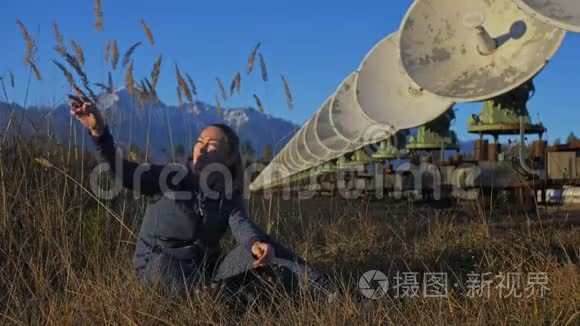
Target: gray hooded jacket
180,221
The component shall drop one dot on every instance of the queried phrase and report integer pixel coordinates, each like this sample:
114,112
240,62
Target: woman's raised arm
144,178
147,179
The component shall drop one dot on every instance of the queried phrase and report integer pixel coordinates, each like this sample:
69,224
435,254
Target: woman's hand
87,113
264,253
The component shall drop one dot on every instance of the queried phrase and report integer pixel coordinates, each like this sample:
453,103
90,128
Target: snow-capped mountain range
132,122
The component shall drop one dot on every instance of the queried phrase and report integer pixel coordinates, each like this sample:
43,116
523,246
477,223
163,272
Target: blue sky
315,44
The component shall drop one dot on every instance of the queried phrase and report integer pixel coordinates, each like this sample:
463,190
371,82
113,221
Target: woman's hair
236,168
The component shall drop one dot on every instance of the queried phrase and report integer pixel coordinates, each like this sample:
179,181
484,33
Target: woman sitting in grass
190,207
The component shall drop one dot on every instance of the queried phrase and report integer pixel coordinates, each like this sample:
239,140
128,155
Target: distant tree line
250,155
570,139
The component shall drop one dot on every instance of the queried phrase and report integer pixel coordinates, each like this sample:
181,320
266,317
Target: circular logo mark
373,284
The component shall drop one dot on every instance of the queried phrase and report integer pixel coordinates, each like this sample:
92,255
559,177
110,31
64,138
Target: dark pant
180,270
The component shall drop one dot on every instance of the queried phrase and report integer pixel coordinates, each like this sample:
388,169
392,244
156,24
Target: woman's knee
166,271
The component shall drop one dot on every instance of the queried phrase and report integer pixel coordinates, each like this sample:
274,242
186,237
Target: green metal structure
435,135
325,168
358,158
393,148
501,115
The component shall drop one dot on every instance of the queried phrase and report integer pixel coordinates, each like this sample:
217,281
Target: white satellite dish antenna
312,144
326,135
269,175
387,95
297,154
290,158
564,14
283,161
347,117
472,50
306,153
262,179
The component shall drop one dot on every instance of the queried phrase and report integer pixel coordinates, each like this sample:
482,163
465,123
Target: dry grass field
65,257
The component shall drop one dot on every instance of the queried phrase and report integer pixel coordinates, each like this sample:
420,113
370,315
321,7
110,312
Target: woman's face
211,147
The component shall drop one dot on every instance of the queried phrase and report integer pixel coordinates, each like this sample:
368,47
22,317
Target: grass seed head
252,59
148,32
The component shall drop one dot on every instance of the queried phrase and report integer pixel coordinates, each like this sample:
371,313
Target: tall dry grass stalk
74,63
238,83
143,94
60,46
233,85
183,85
222,89
179,96
35,70
99,19
79,53
103,87
151,92
263,68
30,43
156,71
289,99
11,76
259,104
77,90
107,50
109,86
129,53
115,54
129,79
148,32
44,162
110,81
191,84
218,107
67,74
252,59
